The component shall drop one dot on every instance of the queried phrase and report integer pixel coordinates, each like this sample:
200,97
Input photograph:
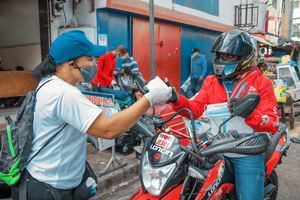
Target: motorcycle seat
274,141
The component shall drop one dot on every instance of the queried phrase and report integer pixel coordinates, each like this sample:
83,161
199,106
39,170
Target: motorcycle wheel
273,179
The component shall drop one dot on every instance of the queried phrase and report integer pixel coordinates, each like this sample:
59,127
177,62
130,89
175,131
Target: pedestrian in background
198,72
104,80
129,61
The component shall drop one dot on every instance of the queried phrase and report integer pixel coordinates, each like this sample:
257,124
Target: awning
262,39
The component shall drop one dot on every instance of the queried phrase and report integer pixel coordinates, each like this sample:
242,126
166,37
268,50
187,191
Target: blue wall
208,6
196,38
116,26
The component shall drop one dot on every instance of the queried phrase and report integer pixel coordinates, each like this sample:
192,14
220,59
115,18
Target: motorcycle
169,170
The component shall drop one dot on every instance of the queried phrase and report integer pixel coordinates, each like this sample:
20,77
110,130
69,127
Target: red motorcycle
169,170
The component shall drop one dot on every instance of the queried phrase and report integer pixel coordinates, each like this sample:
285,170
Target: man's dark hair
195,50
121,49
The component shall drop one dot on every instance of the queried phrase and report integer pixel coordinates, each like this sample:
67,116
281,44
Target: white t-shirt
62,163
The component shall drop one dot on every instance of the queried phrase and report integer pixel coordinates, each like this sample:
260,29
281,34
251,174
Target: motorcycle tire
273,179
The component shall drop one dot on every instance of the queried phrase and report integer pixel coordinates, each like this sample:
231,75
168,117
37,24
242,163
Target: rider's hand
174,97
159,92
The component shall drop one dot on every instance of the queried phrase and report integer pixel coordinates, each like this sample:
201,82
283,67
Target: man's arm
196,105
265,117
111,127
134,65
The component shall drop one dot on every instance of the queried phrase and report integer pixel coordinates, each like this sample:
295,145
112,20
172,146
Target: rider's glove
159,92
174,97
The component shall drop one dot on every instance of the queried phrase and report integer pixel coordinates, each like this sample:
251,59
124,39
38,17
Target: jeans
194,87
118,94
249,174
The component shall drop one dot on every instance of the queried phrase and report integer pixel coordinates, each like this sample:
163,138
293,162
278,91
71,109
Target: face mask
88,73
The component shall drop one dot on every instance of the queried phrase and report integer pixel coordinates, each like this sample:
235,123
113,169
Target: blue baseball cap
73,44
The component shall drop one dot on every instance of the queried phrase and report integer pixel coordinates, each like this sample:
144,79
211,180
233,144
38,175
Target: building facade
296,21
180,26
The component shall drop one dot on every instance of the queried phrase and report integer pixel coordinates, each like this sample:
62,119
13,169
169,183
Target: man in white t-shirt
58,169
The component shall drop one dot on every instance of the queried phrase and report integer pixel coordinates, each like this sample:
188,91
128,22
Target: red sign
164,140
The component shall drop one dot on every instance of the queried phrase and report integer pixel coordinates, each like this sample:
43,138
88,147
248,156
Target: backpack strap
2,143
36,91
45,145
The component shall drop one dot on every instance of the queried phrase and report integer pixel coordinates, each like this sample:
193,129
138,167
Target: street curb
118,189
116,180
118,176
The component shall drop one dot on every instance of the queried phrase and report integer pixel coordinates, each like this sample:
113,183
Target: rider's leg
249,177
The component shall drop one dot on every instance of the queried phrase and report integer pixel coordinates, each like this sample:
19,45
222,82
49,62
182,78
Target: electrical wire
63,9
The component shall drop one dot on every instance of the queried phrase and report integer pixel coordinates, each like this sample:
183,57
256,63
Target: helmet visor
234,43
224,69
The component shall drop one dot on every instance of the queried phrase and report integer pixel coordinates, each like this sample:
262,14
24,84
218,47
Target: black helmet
235,43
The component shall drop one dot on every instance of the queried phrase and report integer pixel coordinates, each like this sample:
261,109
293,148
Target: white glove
159,92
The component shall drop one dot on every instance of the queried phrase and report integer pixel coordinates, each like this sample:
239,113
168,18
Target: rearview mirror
246,105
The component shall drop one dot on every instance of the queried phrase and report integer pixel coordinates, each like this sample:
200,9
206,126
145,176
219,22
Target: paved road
289,175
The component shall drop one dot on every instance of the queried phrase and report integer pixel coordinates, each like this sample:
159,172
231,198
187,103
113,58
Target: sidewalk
296,130
113,182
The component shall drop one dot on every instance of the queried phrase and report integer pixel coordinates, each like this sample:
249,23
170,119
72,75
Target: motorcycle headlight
155,178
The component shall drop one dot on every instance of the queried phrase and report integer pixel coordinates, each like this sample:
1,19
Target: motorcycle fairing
172,195
213,180
163,149
174,155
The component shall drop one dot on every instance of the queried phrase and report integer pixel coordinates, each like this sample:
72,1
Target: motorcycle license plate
165,140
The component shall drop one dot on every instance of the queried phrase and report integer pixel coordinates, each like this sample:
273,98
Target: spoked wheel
271,185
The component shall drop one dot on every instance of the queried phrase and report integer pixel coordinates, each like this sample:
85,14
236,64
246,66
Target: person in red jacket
104,80
236,75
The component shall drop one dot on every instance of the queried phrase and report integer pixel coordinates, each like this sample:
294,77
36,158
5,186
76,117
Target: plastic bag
185,86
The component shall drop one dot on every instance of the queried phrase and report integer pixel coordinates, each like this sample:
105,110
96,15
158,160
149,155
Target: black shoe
296,139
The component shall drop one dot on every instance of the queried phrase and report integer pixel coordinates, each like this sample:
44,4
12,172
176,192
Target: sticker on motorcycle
164,140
